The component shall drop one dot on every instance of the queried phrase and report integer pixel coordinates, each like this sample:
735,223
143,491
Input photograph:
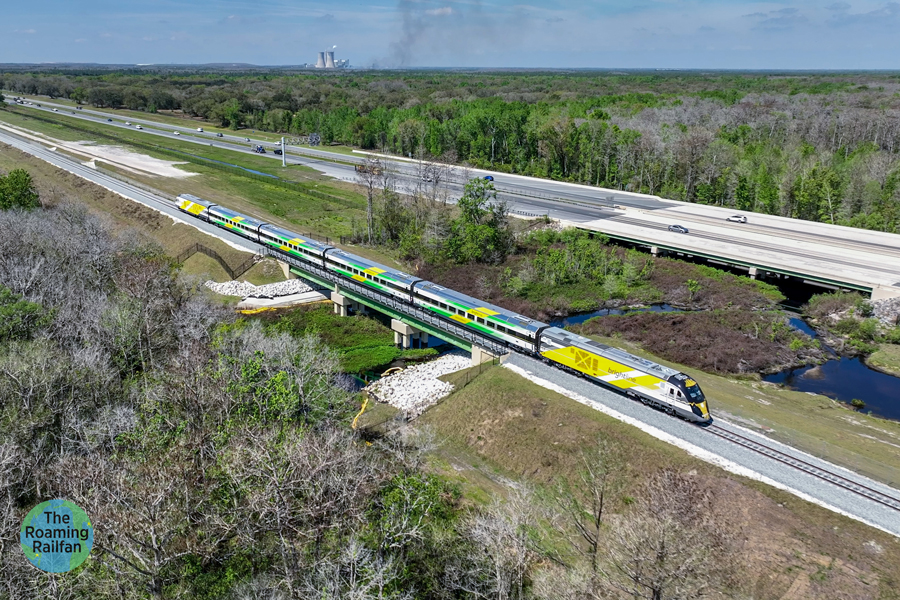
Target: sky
606,34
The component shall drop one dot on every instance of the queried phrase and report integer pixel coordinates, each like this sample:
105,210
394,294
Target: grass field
502,431
886,358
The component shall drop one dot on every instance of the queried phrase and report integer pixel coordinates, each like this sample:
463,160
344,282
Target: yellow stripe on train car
483,312
460,319
194,209
374,271
599,366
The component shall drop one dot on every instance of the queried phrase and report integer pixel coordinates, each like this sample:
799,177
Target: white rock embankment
887,311
248,290
415,389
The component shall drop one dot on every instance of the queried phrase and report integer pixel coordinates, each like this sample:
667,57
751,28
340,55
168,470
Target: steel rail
806,467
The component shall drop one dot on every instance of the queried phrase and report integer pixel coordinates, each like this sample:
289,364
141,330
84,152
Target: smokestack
320,64
329,60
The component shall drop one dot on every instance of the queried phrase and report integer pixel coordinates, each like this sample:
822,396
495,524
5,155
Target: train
653,384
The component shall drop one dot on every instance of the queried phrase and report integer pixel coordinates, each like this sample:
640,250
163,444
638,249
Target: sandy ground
114,155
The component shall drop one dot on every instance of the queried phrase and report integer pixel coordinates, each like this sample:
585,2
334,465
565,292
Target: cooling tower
329,60
320,64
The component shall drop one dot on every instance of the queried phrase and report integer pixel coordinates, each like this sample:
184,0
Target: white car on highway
737,219
177,132
138,127
200,129
128,122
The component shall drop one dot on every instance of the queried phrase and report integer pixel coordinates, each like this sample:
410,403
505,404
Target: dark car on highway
489,177
277,151
219,135
678,228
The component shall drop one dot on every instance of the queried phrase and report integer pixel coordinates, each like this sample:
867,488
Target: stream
843,378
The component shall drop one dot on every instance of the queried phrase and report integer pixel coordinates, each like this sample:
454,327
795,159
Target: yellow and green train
647,381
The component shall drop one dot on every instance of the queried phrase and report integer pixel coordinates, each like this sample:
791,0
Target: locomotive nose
700,409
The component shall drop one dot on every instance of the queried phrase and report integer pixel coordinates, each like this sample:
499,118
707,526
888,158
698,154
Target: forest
821,147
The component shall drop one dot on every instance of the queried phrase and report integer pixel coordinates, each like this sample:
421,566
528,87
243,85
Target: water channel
844,378
841,378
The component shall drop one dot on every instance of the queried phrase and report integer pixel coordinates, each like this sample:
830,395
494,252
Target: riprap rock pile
415,389
248,290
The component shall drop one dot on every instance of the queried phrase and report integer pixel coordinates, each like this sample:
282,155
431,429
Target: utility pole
283,153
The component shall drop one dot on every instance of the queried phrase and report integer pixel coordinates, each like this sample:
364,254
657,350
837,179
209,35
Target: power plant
326,60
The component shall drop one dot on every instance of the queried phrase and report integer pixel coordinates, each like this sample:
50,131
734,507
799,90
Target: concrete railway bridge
409,323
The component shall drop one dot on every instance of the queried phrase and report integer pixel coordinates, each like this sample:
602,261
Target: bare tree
503,553
300,486
586,500
673,544
370,175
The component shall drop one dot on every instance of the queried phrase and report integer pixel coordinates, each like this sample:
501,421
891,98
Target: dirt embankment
721,341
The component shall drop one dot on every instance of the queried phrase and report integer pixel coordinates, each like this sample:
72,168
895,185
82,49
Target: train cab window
671,391
680,395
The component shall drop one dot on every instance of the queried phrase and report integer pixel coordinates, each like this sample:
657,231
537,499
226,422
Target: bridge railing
389,301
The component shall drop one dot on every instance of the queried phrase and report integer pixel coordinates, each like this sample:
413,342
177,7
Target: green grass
264,272
363,342
886,358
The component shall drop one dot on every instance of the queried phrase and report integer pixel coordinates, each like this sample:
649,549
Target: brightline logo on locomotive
651,383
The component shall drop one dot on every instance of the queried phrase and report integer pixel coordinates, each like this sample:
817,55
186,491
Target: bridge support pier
406,336
753,272
342,304
654,250
481,355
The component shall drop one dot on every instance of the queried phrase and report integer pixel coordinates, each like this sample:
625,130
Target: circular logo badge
56,536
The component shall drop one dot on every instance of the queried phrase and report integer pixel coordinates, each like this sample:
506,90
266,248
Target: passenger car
737,219
489,177
678,228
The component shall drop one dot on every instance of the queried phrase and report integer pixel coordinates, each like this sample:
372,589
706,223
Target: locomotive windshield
693,392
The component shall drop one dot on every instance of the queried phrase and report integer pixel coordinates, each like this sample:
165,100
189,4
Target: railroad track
808,468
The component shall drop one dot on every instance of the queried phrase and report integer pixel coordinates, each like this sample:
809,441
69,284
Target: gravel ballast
415,389
248,290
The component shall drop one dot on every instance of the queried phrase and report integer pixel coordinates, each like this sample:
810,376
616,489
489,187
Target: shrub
857,404
17,191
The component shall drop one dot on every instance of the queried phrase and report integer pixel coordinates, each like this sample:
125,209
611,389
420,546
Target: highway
828,254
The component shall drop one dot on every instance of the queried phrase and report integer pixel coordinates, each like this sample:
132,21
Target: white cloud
29,31
440,12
